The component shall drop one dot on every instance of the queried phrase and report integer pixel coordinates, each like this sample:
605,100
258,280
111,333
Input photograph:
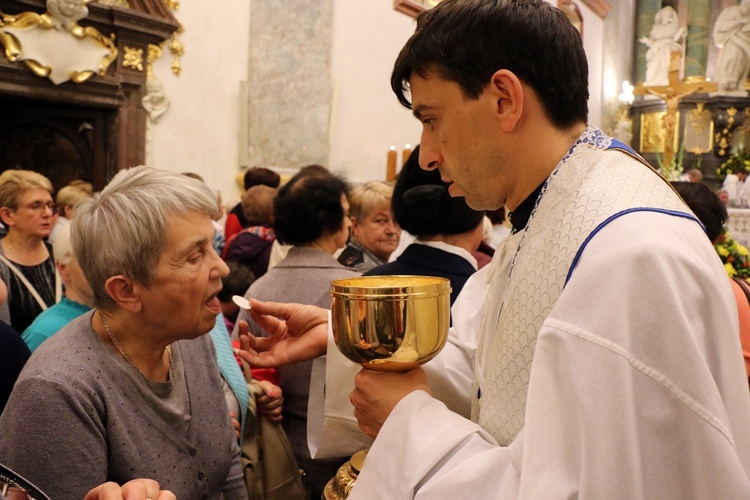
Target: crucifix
672,93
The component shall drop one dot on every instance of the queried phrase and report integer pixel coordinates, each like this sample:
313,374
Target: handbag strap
252,387
744,286
30,287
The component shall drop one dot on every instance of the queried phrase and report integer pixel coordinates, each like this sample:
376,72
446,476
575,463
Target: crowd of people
141,274
596,342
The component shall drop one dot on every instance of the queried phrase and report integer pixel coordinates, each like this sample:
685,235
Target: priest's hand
298,333
377,393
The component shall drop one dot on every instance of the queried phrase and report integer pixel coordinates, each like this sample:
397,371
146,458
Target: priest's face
460,138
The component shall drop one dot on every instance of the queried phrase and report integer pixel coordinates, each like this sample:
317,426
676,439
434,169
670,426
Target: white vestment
624,381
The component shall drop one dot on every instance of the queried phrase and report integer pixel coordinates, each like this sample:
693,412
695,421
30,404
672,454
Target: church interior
89,88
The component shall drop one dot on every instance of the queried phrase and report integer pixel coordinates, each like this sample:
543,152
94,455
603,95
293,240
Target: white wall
366,118
199,133
593,35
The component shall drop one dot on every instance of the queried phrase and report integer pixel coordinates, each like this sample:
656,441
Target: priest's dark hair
705,204
309,207
423,207
467,41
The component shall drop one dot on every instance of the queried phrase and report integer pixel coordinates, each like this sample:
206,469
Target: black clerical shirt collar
520,216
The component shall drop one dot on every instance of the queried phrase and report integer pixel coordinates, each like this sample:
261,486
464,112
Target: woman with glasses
26,263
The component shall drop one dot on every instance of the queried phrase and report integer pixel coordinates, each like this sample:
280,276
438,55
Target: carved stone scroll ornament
54,46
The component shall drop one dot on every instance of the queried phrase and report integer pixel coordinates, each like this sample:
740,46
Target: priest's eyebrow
420,109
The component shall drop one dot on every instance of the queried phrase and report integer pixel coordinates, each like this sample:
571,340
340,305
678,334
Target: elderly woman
78,298
375,233
311,214
132,388
26,263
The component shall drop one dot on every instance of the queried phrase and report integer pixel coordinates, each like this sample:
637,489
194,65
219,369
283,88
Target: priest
608,363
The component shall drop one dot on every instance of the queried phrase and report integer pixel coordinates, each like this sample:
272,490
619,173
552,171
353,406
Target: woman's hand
236,424
137,489
271,401
298,333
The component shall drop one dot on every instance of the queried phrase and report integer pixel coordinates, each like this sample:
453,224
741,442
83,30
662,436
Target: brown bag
268,463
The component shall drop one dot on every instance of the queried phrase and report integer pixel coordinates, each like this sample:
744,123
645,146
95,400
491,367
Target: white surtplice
609,363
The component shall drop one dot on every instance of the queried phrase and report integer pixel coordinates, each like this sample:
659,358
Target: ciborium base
342,483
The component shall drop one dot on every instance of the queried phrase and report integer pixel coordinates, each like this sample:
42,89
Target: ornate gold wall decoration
741,135
54,46
723,138
177,49
699,130
116,3
154,53
133,58
653,132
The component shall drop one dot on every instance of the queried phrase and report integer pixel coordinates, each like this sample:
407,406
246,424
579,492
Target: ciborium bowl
390,322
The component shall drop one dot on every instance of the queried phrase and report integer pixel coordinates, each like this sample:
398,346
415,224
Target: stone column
698,38
647,9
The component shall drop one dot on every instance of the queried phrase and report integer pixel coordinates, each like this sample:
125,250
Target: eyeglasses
39,206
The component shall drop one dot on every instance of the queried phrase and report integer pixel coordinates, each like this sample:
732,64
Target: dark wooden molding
118,94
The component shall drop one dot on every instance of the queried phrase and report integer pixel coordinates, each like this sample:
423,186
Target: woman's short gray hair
123,229
363,199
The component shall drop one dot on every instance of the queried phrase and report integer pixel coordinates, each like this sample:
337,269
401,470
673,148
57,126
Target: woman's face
378,232
34,214
181,300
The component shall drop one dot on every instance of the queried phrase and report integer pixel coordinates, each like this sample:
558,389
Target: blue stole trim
620,214
617,145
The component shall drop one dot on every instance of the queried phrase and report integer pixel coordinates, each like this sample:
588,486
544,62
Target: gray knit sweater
80,415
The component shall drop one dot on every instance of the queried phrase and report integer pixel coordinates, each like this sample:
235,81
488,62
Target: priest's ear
508,93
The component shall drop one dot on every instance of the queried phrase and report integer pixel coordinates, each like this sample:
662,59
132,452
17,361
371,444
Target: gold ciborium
390,323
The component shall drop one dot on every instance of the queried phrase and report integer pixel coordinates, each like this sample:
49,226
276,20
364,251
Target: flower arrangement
737,162
672,172
735,257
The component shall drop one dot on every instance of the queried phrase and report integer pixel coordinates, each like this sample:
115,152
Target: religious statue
672,93
67,13
663,39
155,101
672,98
732,34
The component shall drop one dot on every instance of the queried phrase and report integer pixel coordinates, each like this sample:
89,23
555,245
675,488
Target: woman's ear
508,93
124,291
6,214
